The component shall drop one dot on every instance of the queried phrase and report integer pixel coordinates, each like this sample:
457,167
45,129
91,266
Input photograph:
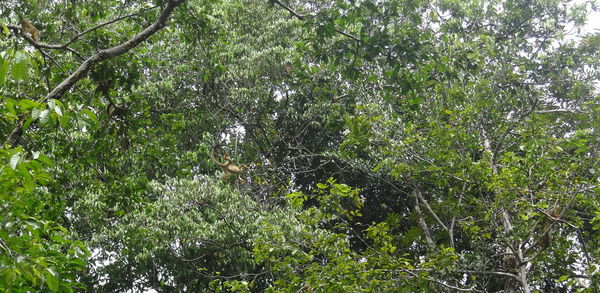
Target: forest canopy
299,146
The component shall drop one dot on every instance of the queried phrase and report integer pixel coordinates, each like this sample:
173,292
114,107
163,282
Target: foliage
416,145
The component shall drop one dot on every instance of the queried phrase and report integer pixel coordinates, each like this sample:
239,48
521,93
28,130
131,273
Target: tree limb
560,111
302,17
91,61
76,37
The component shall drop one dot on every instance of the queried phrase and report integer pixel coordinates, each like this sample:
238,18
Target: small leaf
91,115
64,121
5,29
3,70
44,159
35,113
27,104
51,280
44,116
14,160
58,111
19,67
27,123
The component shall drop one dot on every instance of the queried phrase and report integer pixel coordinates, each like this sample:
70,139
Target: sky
593,24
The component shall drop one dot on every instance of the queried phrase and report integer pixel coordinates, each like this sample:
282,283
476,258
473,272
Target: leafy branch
99,56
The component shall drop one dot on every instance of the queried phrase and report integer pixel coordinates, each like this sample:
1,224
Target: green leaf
44,159
14,160
19,67
27,104
91,115
64,121
27,123
5,30
3,70
35,113
58,111
52,280
44,116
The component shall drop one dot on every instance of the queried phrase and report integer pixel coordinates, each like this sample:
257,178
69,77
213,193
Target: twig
562,111
302,17
76,37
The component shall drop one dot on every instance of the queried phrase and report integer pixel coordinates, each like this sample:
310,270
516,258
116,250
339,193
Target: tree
433,146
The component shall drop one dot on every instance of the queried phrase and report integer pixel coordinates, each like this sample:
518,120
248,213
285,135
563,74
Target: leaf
64,121
27,104
3,70
44,116
19,67
14,160
5,29
35,113
27,123
44,159
51,279
58,111
91,115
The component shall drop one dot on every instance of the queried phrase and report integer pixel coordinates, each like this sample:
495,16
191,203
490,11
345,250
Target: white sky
593,24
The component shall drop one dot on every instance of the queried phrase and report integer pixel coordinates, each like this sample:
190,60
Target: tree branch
302,17
76,37
91,61
560,111
291,11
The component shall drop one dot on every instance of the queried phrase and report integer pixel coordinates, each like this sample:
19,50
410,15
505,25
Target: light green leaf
35,113
3,70
44,116
52,279
14,160
91,115
19,67
27,104
44,159
58,111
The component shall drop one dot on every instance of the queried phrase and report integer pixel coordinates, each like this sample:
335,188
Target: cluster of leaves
451,129
37,252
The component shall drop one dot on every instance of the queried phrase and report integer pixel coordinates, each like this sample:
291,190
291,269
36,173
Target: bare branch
491,273
421,220
560,111
302,16
435,216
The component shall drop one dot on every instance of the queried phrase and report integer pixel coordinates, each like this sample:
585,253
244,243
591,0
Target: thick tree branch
114,51
89,63
291,11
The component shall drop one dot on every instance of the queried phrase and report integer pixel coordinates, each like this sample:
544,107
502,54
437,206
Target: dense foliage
392,146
